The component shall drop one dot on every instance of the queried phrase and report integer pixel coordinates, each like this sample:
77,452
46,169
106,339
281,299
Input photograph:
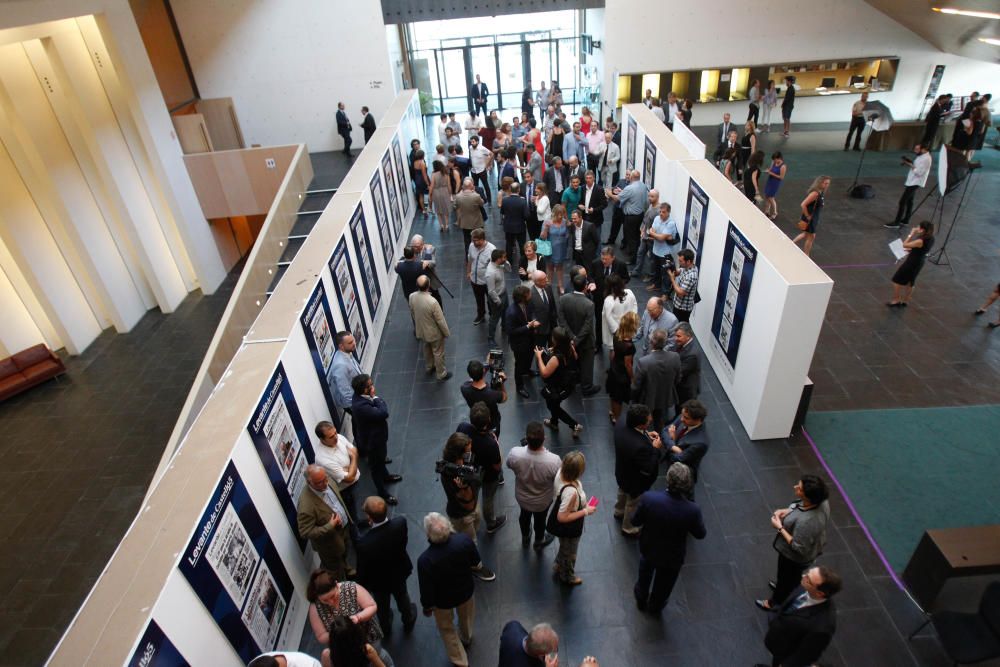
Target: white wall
650,37
286,65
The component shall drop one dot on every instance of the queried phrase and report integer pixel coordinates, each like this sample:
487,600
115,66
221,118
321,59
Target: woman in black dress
619,385
751,178
919,242
812,207
558,368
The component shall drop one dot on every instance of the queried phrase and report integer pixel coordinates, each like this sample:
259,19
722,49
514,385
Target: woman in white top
617,302
543,209
529,262
573,507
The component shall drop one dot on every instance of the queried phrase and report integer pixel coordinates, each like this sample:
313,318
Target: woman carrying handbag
567,515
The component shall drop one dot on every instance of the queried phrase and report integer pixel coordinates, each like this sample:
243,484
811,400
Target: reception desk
903,136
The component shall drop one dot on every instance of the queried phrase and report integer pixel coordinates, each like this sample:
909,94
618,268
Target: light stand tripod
869,125
941,256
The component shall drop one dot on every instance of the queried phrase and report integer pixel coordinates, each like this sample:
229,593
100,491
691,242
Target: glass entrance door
511,77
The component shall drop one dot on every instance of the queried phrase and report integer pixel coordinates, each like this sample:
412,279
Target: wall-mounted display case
730,84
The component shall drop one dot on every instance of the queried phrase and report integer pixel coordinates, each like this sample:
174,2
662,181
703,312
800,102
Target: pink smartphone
593,501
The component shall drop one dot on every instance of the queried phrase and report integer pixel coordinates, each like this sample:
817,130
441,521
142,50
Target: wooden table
951,552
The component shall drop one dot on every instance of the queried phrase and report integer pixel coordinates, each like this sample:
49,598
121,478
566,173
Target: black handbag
555,527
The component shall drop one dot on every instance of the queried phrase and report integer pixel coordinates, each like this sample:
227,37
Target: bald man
383,564
634,199
323,520
431,327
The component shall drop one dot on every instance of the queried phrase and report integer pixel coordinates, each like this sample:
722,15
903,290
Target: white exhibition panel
782,314
694,145
192,503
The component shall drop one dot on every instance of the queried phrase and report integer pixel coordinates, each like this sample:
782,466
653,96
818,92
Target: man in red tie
686,439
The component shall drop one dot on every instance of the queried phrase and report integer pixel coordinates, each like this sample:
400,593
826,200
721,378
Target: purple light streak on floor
854,511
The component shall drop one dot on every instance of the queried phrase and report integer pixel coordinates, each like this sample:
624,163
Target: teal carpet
909,470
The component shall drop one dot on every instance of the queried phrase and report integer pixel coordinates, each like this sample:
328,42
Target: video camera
494,365
668,263
467,474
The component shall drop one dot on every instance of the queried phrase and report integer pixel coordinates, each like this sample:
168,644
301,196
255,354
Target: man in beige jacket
468,209
431,327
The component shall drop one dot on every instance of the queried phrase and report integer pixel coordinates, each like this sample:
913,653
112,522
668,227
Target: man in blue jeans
665,237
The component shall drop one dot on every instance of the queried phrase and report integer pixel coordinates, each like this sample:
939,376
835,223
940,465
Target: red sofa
28,368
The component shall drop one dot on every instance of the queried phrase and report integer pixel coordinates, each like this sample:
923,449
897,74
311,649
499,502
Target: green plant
427,103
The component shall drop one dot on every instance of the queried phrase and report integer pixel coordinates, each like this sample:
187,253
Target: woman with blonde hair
812,206
619,384
567,515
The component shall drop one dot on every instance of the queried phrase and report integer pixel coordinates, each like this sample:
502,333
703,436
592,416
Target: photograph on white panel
265,609
233,556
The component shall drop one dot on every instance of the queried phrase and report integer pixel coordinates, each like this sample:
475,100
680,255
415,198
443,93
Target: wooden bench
951,552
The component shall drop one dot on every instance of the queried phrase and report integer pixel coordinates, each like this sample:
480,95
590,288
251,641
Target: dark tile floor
119,401
77,455
711,619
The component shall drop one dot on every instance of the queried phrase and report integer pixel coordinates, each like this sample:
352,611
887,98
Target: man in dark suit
576,315
655,377
409,269
514,214
732,141
599,271
686,439
556,180
527,188
637,460
383,564
368,124
690,352
666,518
521,325
932,121
344,127
722,132
543,308
805,623
575,168
584,238
478,96
593,201
371,433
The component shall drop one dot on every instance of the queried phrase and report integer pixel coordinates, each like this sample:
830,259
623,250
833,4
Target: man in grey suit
543,304
576,315
431,327
655,378
689,350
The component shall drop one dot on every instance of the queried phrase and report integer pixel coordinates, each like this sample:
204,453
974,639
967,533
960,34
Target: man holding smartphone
916,178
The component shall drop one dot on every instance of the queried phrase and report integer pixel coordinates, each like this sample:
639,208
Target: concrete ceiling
949,32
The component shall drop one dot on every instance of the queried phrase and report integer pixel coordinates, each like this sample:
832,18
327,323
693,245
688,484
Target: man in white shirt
477,260
480,158
339,458
657,110
284,659
916,178
441,127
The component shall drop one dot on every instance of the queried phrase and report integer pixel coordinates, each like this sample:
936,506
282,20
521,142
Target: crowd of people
560,294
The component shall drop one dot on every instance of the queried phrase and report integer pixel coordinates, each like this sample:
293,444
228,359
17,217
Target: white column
114,42
39,260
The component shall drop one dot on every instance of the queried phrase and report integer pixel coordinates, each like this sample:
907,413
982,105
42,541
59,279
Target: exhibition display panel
213,571
762,301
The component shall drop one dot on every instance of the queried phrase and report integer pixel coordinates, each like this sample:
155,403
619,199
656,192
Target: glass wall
505,51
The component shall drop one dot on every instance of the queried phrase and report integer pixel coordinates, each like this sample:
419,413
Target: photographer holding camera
487,457
477,390
685,284
461,481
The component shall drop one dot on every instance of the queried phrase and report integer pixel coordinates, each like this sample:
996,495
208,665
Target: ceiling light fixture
990,40
967,12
